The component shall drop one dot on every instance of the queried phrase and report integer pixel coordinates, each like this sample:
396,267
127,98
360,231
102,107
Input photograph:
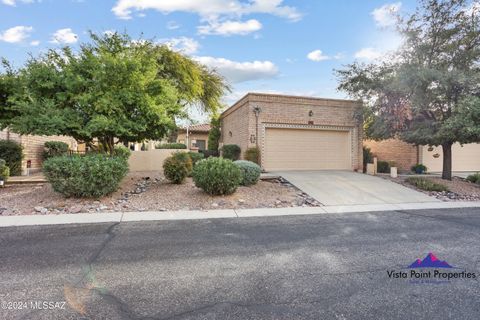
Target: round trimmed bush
93,175
54,149
217,176
12,153
231,151
196,156
176,168
250,172
122,151
4,171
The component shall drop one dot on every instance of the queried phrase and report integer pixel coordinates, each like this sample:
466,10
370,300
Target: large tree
114,89
428,91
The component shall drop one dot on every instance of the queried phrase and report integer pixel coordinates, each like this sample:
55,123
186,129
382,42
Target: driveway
326,266
351,188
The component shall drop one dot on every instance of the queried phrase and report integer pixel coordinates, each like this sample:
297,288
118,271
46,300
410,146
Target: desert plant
231,152
419,168
175,169
196,156
12,153
367,157
253,155
250,172
93,175
383,167
217,176
475,178
425,184
4,171
123,152
54,149
171,146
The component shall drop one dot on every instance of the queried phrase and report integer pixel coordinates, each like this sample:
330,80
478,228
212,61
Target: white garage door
297,149
464,158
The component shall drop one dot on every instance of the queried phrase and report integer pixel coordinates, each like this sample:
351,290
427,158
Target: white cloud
385,15
368,54
183,44
228,28
64,36
317,55
34,43
207,9
237,72
13,3
172,25
16,34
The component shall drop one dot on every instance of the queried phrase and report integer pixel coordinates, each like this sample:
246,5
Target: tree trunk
447,161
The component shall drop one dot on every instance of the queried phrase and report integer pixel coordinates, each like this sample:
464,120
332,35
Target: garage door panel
296,149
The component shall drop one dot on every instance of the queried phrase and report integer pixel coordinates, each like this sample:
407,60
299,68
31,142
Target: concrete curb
111,217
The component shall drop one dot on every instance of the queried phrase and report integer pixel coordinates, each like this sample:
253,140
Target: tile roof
204,127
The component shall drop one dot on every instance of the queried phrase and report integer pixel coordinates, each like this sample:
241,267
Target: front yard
149,191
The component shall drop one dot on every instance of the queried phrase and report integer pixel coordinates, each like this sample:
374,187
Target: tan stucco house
464,157
195,136
296,133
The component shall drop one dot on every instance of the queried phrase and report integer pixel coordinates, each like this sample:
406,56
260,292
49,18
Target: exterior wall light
310,113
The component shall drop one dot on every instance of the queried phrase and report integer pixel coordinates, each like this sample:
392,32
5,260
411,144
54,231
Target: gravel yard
149,191
459,189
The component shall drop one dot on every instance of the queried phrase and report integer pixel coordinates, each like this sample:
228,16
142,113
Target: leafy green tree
114,89
214,134
427,92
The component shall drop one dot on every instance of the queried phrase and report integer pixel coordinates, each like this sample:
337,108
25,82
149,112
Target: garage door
464,158
296,149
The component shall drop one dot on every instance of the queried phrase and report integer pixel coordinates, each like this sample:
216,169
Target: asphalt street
329,266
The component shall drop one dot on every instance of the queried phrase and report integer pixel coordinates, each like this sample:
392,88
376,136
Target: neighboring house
296,133
196,137
464,158
33,147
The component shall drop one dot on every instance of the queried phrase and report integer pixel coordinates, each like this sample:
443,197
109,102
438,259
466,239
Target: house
296,133
194,136
33,148
464,158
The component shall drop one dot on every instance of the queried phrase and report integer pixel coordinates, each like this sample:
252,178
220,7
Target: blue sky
275,46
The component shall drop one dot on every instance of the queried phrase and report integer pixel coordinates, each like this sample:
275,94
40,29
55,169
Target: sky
271,46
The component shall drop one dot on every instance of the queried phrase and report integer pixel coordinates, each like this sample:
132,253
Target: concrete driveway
351,188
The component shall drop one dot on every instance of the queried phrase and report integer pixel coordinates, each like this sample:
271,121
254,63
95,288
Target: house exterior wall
279,111
182,138
33,147
404,155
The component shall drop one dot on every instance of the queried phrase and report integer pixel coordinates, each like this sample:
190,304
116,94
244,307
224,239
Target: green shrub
231,152
54,149
253,155
217,176
196,156
250,172
12,153
93,175
419,168
123,152
177,167
171,146
367,158
425,184
383,167
4,171
475,178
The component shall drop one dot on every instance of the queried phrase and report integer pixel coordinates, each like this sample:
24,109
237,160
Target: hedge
12,153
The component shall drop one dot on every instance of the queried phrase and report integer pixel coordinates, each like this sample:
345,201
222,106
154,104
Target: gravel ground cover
459,189
150,191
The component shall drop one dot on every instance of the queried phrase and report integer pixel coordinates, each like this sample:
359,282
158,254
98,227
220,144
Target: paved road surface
330,266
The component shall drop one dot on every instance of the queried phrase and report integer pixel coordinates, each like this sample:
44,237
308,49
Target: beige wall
289,112
464,158
182,138
33,147
403,154
151,160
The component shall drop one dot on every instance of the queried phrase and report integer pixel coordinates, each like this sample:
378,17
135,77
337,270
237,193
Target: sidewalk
111,217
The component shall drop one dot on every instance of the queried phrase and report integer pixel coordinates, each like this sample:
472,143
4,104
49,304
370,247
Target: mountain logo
430,261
